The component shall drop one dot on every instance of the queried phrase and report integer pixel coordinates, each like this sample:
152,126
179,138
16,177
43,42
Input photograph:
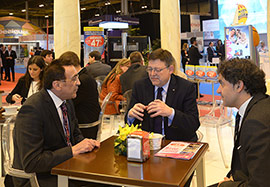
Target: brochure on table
180,150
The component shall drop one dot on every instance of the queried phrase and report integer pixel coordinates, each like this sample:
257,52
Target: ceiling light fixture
46,16
11,14
41,5
96,15
83,8
23,10
144,6
118,11
107,3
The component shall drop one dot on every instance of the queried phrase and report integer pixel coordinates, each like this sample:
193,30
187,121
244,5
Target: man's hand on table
84,146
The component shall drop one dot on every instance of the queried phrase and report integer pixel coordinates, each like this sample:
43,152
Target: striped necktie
65,123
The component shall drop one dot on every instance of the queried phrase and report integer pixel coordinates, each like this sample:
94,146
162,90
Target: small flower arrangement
120,143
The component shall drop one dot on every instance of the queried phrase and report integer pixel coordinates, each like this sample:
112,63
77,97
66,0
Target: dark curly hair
245,70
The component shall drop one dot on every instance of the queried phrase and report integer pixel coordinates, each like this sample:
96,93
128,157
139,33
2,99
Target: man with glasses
164,103
46,128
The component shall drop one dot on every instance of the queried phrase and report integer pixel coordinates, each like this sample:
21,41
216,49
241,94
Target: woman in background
220,50
184,55
30,83
112,84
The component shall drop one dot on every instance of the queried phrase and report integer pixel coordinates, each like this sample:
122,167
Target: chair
7,148
99,84
125,104
212,120
99,122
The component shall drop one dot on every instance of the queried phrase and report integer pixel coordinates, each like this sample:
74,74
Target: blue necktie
158,119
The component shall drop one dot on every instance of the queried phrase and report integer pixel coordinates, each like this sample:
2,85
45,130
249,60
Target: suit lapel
171,91
54,114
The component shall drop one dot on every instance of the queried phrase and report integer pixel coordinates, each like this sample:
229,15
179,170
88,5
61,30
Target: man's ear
56,85
240,86
171,68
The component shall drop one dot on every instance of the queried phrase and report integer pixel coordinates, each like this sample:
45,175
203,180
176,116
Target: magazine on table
180,150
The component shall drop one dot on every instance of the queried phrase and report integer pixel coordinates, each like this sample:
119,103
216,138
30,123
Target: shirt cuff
170,118
130,120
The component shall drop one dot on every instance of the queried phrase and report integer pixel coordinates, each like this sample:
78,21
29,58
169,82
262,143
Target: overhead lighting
11,14
96,15
41,5
46,16
144,6
113,25
118,11
107,3
83,8
23,10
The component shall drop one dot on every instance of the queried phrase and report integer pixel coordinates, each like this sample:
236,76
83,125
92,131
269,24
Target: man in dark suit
165,103
135,72
177,107
194,57
242,85
46,128
95,67
10,63
193,53
2,61
210,52
86,103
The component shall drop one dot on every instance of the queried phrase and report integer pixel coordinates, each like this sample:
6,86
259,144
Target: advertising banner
238,42
93,41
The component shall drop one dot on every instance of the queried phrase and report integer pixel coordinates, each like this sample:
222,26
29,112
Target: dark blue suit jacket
182,97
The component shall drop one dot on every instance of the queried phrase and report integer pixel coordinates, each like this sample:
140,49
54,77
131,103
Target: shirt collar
56,100
243,107
165,86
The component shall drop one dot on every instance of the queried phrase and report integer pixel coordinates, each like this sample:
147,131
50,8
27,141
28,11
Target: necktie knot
159,94
63,107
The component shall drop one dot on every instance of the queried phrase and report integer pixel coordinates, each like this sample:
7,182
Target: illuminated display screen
237,42
256,13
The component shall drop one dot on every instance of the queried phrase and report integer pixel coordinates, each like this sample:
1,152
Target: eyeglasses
157,70
73,79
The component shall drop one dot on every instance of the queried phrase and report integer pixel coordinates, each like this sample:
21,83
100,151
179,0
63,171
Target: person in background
193,53
10,56
2,61
47,56
184,55
220,49
194,57
262,47
46,131
112,84
86,103
135,72
210,52
95,67
242,85
30,83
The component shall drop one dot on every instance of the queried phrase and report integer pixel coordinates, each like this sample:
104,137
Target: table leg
62,181
200,173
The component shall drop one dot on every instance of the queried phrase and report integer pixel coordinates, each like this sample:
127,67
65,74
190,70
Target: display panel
256,13
237,40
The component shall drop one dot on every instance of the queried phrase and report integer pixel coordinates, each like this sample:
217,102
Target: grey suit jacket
98,68
251,165
134,73
39,140
182,97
